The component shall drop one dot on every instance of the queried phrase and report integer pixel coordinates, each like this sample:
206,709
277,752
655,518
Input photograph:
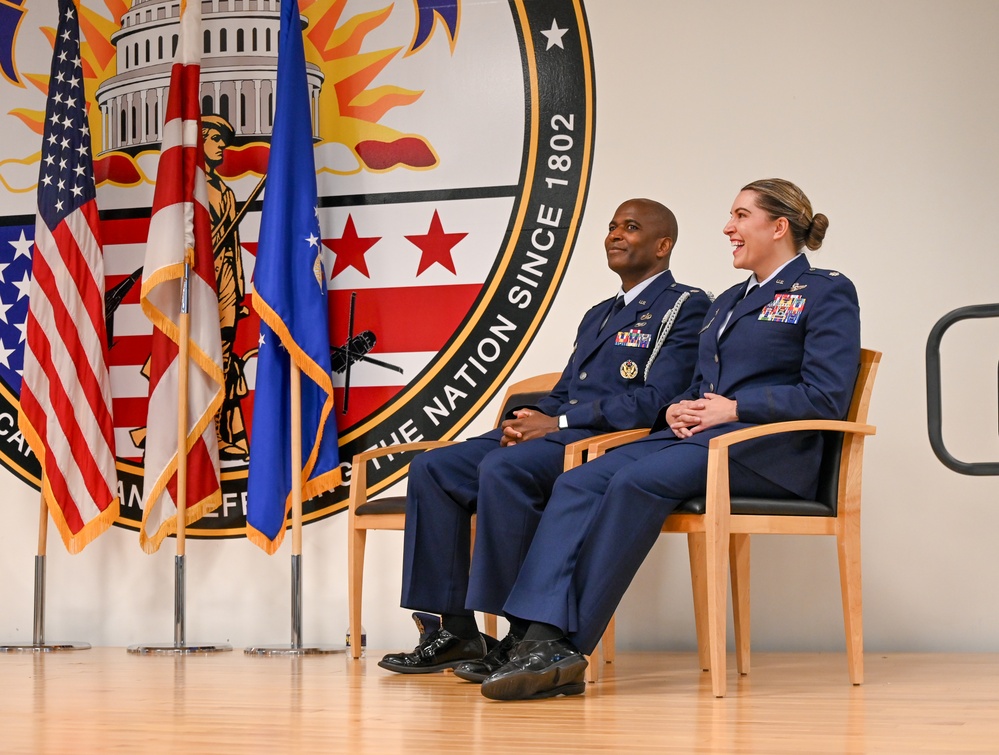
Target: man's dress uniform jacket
604,387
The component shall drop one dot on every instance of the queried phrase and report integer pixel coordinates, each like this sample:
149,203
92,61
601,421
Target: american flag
65,392
179,230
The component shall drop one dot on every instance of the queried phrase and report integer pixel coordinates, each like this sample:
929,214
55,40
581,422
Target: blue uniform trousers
510,487
600,523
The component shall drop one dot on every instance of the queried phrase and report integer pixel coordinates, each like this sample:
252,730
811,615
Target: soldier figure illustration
218,134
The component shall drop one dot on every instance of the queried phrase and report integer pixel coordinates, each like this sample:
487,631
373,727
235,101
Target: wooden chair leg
848,549
696,550
716,538
592,672
739,563
355,575
609,640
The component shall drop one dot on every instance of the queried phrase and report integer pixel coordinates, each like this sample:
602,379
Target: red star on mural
350,250
436,245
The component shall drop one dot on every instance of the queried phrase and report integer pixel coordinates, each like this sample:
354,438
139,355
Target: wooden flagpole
180,644
183,388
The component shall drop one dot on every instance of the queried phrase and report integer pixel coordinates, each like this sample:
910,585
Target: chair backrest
527,392
833,451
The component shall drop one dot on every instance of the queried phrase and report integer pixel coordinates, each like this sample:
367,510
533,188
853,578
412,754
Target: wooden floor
109,701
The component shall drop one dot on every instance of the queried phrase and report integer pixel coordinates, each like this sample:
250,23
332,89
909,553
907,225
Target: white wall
886,115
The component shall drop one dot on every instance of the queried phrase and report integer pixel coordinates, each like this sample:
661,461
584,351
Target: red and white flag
65,392
179,229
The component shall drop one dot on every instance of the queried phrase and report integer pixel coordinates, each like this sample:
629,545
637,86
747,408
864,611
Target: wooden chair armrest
594,446
575,454
775,428
399,448
602,443
359,466
717,494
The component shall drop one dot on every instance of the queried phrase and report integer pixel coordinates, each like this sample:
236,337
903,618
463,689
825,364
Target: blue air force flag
290,296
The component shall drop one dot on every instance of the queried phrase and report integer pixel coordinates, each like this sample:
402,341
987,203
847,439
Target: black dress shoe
537,669
441,650
477,671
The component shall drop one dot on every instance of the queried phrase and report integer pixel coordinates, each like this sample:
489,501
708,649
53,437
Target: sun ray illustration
357,109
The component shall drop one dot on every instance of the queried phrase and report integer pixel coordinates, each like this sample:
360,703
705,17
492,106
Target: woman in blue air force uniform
789,349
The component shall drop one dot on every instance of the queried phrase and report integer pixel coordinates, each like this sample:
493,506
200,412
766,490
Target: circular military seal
450,195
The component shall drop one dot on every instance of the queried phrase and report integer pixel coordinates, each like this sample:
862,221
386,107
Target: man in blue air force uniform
632,354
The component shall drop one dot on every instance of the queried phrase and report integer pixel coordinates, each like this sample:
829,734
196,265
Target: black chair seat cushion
764,506
392,504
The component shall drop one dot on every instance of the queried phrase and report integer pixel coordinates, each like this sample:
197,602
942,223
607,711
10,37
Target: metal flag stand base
38,645
180,646
295,648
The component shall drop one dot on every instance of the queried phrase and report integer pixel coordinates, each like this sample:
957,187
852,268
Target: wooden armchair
389,512
718,528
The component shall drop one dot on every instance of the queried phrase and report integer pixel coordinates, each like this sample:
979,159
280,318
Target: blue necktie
617,307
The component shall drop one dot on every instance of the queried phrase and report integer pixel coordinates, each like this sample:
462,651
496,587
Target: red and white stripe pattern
387,299
180,227
65,411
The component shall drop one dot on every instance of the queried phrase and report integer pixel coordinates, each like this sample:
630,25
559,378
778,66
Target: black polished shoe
538,669
441,650
477,671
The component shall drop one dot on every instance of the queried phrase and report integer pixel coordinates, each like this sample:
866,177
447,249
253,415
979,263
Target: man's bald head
660,215
640,239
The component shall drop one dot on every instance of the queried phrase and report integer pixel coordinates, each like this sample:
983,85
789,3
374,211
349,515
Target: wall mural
453,144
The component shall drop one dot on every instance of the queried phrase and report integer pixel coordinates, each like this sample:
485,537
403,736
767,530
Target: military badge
629,370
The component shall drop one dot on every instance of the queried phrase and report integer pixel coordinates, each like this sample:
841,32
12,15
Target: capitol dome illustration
238,71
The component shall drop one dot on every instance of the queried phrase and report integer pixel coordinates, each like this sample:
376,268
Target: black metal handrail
933,398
